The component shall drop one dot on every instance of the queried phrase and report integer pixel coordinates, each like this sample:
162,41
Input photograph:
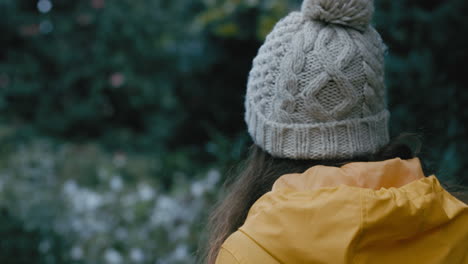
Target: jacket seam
434,192
361,226
264,249
232,254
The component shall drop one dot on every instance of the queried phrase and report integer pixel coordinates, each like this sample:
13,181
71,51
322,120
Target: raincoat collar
372,175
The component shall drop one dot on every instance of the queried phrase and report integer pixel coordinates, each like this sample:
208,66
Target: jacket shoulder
239,248
226,257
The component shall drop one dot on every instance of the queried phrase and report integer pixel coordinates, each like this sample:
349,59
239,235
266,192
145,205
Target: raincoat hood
363,212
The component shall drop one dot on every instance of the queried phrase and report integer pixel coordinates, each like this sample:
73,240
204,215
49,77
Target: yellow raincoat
364,212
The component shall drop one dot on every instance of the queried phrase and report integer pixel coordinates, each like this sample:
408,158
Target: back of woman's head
315,95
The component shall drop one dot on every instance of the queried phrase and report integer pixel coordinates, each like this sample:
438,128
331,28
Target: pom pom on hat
351,13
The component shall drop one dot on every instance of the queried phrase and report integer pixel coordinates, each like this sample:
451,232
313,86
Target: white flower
181,252
70,187
165,211
89,200
213,177
112,256
82,199
197,189
145,192
76,253
116,183
137,255
44,6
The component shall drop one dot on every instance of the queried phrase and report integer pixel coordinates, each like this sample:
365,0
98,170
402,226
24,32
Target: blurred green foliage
143,80
160,85
425,77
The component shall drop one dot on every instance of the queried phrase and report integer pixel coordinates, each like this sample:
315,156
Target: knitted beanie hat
316,89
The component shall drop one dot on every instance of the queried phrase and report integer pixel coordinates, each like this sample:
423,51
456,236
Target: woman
323,184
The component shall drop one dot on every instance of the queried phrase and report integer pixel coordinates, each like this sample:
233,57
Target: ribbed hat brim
331,140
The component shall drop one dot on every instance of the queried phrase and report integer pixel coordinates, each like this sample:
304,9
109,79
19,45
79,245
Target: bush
78,204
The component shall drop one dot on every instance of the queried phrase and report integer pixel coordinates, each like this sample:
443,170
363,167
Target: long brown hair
256,176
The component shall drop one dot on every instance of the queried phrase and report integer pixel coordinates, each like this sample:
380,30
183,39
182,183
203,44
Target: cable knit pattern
287,83
316,89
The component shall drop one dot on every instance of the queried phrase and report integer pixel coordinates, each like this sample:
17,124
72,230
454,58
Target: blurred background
119,120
